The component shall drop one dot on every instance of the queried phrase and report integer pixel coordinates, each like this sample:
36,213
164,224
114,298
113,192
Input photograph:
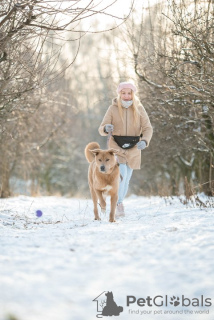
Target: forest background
60,64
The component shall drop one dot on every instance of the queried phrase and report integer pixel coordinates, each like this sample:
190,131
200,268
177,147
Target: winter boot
120,210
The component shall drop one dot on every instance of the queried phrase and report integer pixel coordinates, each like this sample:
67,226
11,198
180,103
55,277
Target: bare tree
172,51
31,37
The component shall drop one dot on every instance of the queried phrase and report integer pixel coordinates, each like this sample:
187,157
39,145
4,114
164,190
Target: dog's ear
113,151
95,151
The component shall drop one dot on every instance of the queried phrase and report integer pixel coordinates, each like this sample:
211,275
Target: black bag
127,142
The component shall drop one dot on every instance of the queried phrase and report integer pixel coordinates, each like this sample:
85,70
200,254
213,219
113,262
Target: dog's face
109,295
105,159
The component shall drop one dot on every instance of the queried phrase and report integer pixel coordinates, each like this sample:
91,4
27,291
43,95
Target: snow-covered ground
54,266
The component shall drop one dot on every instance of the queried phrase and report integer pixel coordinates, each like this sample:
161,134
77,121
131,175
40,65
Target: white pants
126,173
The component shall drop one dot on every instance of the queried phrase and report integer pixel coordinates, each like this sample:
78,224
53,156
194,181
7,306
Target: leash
108,140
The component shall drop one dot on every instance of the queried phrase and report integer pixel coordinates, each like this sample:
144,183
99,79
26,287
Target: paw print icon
175,301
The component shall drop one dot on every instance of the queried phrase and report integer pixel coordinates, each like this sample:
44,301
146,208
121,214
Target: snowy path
54,266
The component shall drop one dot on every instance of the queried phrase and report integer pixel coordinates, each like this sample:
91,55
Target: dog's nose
102,168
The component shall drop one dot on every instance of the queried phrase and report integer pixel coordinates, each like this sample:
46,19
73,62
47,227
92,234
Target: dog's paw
175,302
103,210
97,218
112,220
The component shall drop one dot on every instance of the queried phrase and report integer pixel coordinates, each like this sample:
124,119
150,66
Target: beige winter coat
132,156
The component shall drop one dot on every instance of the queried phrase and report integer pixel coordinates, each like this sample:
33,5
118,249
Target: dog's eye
100,160
107,159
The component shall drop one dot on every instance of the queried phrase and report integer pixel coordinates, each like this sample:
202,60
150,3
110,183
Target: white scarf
126,104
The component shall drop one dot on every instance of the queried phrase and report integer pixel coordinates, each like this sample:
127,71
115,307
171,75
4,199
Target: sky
119,9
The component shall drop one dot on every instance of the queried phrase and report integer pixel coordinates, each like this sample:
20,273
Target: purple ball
39,213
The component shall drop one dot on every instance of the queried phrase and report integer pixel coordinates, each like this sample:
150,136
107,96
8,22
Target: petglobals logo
148,305
165,301
106,306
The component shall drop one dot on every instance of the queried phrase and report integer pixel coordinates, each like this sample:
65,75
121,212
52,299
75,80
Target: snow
54,266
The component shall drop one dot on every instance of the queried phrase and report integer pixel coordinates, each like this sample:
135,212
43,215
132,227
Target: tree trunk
5,176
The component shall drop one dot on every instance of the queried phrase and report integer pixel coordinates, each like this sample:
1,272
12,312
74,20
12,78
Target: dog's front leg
114,198
101,200
94,198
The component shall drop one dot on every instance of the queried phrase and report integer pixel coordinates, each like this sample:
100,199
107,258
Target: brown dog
103,177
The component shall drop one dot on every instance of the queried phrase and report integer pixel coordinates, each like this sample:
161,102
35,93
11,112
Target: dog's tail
91,146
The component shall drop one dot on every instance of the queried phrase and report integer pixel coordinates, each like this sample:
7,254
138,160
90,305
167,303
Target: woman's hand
141,145
108,128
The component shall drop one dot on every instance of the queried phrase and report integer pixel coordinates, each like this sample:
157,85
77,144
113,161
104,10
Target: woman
126,120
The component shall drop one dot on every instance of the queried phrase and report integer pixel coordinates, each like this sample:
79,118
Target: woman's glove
108,128
141,145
